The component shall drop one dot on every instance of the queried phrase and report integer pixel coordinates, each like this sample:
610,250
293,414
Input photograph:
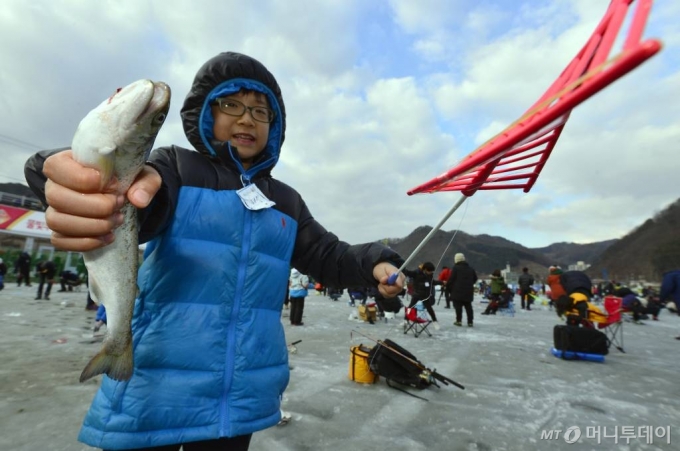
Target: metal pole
436,228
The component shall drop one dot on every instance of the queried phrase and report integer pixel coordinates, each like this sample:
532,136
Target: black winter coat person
461,283
423,281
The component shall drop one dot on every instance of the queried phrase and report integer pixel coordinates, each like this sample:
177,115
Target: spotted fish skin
116,138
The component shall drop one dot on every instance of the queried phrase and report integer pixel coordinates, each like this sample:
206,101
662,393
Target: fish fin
117,367
95,292
106,162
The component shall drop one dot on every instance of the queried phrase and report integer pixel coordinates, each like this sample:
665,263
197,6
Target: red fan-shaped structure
514,158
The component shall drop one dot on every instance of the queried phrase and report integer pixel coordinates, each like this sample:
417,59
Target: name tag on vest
253,199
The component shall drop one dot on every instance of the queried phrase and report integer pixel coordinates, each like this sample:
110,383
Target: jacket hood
225,74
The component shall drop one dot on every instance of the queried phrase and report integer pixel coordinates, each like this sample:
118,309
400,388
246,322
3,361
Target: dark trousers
447,298
458,305
239,443
428,306
24,275
68,284
43,279
638,310
525,294
492,307
297,305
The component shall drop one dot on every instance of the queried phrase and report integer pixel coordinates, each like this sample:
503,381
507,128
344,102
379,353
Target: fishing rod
440,377
292,348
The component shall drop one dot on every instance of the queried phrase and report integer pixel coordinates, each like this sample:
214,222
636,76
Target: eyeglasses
235,108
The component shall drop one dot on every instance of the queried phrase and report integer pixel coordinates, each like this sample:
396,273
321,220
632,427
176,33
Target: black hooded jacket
461,283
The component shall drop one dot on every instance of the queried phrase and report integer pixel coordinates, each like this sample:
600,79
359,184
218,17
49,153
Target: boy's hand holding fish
84,211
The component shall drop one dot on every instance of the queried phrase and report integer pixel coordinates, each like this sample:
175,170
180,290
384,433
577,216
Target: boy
209,347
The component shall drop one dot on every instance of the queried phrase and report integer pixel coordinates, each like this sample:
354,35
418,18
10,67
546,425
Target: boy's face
246,134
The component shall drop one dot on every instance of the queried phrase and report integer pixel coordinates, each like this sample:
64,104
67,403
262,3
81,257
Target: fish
116,138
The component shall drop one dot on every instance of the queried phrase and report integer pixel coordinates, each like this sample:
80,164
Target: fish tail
117,367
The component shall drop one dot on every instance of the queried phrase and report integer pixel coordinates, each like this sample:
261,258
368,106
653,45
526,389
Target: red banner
19,221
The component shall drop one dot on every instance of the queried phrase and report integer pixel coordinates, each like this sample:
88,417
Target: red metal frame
514,158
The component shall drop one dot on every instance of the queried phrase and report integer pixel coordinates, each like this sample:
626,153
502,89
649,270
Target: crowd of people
45,275
570,293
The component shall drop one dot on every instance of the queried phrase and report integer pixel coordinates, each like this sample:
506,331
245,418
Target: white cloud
366,124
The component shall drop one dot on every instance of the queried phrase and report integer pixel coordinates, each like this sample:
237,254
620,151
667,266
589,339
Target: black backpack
400,367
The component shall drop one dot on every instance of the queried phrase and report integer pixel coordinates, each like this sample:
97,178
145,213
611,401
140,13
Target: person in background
100,318
443,277
22,268
89,303
46,272
286,300
357,294
575,304
634,304
3,271
525,282
423,289
461,289
553,281
503,301
497,285
68,279
670,289
298,284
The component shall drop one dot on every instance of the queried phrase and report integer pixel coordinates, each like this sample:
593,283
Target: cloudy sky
381,96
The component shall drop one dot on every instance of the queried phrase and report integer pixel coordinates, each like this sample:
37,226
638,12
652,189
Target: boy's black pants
239,443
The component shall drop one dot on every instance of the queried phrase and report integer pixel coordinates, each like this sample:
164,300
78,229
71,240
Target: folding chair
613,327
416,320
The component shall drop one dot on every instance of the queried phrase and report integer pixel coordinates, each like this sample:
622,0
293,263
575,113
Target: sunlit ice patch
233,86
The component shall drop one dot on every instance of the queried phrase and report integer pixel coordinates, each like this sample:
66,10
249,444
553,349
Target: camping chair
416,320
614,325
509,310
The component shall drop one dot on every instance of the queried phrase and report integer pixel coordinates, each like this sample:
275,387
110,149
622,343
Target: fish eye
160,118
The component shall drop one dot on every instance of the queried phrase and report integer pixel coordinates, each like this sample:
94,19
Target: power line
23,181
20,143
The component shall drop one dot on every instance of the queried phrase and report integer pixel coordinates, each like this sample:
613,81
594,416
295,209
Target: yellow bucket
359,370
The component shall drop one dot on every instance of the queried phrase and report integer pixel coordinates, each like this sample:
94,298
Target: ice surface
515,389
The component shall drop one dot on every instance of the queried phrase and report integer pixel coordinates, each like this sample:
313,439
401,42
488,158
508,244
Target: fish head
138,111
122,128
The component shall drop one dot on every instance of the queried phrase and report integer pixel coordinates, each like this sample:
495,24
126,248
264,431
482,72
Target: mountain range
642,255
487,253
